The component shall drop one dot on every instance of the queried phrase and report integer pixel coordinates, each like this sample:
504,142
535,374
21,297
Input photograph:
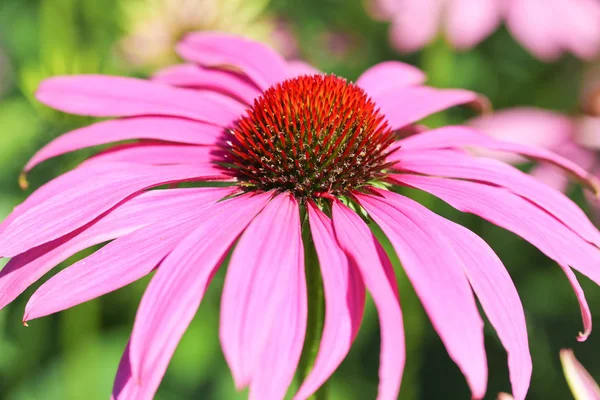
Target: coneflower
288,143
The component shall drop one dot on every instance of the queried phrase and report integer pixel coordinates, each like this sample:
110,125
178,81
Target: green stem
316,313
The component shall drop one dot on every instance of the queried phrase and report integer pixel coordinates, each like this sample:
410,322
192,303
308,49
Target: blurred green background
74,355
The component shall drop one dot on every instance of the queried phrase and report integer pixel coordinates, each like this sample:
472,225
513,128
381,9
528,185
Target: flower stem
316,312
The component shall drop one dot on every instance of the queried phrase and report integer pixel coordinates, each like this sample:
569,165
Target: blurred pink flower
287,140
547,28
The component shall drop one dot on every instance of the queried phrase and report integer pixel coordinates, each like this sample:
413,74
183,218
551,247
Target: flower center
311,135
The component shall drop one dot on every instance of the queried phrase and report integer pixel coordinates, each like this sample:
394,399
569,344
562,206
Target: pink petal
390,75
525,219
140,211
526,125
368,256
471,21
175,292
588,132
215,79
410,104
159,128
344,303
436,273
152,153
297,68
579,27
453,165
532,23
93,191
580,381
114,96
211,49
495,290
126,259
551,175
256,297
461,136
415,23
283,344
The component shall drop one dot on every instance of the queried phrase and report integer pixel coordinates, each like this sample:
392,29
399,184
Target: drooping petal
93,191
175,292
525,219
158,128
461,136
468,22
211,49
388,76
410,104
344,303
363,249
281,353
152,153
453,165
142,210
216,79
436,273
492,285
265,283
415,23
114,96
122,261
297,68
582,385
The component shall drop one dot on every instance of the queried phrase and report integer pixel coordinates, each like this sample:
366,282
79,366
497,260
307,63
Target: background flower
546,28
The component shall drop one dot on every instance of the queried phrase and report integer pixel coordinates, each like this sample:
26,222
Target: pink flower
547,28
289,142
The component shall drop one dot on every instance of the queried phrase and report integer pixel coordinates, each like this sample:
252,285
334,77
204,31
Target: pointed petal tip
583,336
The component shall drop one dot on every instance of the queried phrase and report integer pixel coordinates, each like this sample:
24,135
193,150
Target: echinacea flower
547,28
288,142
154,26
581,383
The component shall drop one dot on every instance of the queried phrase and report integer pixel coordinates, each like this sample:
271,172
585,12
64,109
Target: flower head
547,28
288,141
